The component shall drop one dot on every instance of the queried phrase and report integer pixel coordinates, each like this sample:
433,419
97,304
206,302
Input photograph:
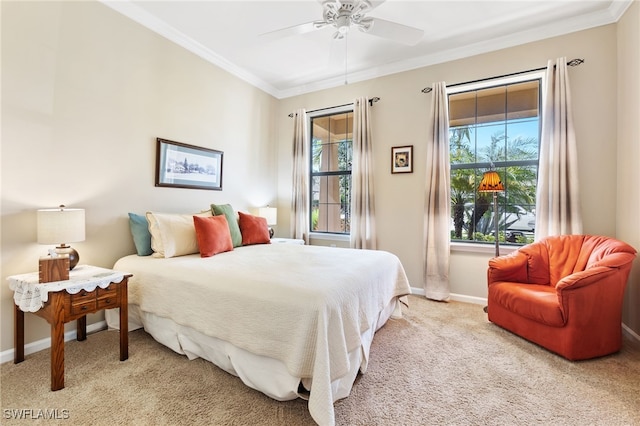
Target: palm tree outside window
494,126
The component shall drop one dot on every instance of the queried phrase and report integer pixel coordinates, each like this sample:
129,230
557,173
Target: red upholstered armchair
563,293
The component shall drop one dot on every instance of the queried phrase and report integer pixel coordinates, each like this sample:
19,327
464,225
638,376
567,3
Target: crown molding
612,14
584,22
139,15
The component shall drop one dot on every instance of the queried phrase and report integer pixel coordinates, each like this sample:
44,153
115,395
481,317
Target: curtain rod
571,63
371,101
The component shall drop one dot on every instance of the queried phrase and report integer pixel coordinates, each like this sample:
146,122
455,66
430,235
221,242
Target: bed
290,320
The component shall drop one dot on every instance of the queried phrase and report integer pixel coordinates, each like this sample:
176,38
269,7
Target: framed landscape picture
187,166
402,159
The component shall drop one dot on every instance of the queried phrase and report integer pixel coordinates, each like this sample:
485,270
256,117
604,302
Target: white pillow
173,234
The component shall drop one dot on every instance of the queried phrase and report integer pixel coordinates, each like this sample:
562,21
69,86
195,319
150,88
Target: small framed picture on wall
402,159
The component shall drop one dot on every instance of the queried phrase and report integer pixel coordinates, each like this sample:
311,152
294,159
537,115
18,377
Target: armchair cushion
534,301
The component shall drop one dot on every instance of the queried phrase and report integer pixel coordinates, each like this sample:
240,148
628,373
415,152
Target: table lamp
491,183
271,214
61,224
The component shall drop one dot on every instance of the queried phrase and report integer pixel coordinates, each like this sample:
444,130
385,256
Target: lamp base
74,257
271,232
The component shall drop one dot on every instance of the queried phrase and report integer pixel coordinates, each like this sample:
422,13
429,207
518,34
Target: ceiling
231,35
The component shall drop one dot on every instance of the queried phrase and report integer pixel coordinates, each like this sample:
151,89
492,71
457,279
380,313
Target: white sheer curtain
437,212
363,229
300,194
557,198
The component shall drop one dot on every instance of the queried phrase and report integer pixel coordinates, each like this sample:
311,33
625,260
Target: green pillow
234,228
141,235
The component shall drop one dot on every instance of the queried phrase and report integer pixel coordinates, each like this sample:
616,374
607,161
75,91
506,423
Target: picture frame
180,165
402,159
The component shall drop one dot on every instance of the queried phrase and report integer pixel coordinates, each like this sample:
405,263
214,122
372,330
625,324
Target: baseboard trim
455,297
42,344
630,332
483,301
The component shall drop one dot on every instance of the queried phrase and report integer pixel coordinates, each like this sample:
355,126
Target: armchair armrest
511,267
585,278
593,293
614,260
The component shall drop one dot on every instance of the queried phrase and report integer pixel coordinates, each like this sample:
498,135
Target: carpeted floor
442,364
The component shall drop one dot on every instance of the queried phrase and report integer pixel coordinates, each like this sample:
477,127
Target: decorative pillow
254,229
213,235
172,234
140,233
156,240
232,220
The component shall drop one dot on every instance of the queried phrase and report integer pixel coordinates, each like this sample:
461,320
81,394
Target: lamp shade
491,182
269,213
61,225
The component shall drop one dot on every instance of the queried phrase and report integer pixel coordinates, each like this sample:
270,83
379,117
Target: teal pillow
141,235
234,228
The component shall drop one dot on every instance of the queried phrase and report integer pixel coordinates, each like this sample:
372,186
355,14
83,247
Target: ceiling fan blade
395,31
293,31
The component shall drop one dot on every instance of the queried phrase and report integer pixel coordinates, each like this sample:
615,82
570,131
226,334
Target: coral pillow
213,235
254,229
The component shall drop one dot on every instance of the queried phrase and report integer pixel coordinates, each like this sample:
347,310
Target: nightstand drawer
82,296
107,297
84,307
111,291
107,302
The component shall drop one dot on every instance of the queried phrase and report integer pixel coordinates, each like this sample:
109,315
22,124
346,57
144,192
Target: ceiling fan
345,14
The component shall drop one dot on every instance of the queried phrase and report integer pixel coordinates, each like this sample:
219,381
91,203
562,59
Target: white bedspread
306,306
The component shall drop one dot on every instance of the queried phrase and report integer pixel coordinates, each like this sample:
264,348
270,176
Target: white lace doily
29,295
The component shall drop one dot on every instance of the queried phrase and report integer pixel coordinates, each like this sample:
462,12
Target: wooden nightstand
89,289
287,241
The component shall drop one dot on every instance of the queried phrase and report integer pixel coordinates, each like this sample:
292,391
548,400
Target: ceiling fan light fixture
343,23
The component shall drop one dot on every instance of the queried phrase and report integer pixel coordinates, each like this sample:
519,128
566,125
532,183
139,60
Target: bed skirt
264,374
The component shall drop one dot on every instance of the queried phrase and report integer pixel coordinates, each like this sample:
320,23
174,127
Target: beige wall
85,92
400,119
628,191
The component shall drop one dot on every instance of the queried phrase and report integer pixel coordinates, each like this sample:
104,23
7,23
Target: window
495,126
331,157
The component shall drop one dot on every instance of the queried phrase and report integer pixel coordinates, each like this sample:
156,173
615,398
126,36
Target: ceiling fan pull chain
346,56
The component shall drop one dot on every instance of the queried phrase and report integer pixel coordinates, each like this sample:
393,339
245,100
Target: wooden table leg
18,334
124,320
81,328
57,341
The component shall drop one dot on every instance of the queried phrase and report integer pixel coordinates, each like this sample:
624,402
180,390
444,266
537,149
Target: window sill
480,248
329,236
